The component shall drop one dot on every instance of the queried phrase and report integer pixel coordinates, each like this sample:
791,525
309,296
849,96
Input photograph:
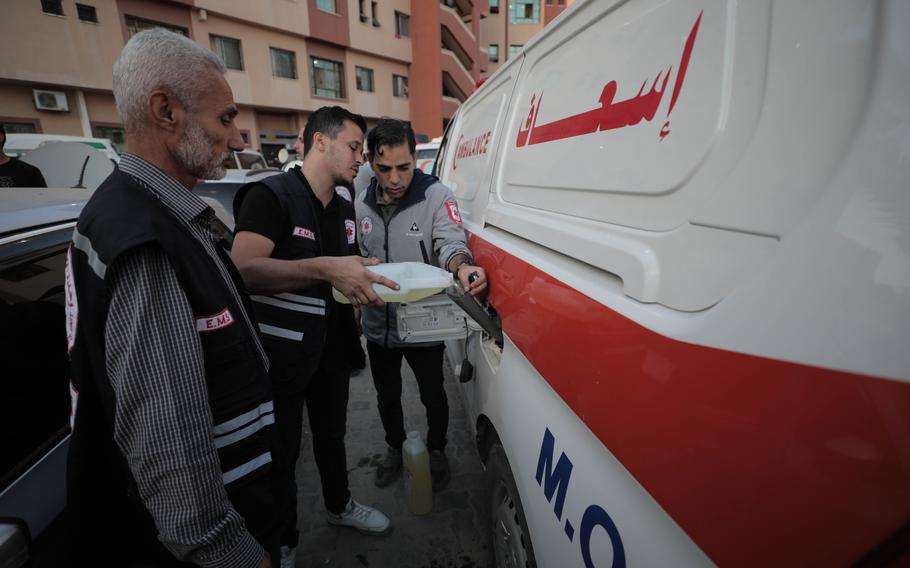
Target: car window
426,153
251,161
223,192
34,390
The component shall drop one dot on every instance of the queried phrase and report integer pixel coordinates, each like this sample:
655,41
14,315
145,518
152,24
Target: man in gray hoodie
406,215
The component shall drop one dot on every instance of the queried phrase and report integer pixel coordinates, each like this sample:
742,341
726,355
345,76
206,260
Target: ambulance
695,220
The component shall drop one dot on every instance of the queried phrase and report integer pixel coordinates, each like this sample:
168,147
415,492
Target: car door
34,389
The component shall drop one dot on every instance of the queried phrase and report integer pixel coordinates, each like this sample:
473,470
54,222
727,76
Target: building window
363,11
402,25
116,134
326,6
494,53
16,127
284,63
514,50
364,79
494,6
135,25
228,49
87,13
52,7
400,86
373,10
524,11
328,78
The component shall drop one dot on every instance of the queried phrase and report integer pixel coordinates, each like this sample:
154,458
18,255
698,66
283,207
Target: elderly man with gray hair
173,453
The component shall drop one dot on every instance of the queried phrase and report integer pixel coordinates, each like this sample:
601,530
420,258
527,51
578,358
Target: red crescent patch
452,209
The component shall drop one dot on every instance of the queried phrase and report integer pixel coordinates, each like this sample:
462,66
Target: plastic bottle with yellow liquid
417,474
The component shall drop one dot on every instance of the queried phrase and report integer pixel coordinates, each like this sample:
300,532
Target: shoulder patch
366,225
349,228
452,209
343,192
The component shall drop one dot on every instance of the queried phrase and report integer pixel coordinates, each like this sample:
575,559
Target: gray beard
195,154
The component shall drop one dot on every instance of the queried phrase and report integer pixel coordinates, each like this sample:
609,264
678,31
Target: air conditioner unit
50,100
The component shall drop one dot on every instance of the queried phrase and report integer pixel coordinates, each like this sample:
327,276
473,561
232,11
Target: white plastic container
417,474
417,281
436,318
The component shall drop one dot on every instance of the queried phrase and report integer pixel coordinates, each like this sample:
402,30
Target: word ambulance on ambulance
695,218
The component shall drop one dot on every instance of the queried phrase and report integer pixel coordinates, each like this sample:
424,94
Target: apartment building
416,60
512,23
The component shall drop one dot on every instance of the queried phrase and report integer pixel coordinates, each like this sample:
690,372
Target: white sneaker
365,519
288,557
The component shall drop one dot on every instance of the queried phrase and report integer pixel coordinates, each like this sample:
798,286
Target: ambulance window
443,146
34,390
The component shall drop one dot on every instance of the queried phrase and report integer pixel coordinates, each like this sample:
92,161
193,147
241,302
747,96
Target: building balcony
461,81
449,106
457,37
465,8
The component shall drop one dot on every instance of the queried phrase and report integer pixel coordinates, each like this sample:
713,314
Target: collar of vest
289,185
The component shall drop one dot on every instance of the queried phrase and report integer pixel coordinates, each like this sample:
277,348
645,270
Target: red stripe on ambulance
760,461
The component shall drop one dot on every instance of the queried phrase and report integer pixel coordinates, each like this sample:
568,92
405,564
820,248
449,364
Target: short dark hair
329,120
390,132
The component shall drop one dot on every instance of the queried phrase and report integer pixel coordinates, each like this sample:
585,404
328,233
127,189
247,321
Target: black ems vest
103,503
293,324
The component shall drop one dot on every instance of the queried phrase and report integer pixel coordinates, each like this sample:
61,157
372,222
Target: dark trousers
426,362
326,399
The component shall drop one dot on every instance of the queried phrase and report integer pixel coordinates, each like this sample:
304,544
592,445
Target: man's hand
472,286
266,561
357,321
349,275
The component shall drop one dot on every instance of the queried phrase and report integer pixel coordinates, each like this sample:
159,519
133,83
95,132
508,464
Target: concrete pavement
456,534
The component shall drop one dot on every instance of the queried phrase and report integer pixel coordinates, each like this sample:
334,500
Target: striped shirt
163,424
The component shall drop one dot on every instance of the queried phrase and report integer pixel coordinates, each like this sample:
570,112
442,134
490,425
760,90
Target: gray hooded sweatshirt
428,214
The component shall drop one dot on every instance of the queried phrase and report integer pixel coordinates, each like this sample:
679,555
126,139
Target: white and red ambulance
695,218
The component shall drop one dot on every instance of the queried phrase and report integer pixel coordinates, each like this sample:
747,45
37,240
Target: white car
246,160
17,145
219,193
426,156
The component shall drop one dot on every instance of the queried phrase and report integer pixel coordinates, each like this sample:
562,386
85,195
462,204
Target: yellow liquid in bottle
394,296
417,475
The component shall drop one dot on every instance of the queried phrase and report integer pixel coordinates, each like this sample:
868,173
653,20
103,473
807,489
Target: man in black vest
173,456
16,173
294,241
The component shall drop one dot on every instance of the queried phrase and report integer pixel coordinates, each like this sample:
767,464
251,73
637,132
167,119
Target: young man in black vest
294,241
173,455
